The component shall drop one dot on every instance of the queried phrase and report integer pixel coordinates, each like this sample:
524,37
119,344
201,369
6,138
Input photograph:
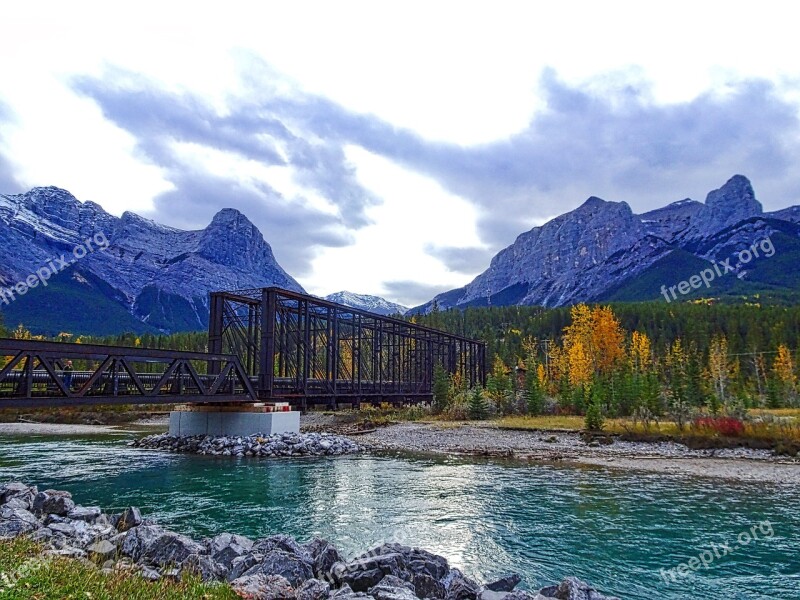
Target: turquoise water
615,529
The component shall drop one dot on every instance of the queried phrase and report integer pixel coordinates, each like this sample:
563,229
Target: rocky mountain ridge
160,275
374,304
601,247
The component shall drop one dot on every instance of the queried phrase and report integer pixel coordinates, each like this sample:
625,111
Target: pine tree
477,405
441,388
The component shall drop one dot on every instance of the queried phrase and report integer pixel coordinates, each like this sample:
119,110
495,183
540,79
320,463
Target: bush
594,417
726,426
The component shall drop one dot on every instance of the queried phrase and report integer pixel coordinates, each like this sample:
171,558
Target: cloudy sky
393,147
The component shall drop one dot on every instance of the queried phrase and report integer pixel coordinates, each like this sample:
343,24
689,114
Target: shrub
594,417
726,426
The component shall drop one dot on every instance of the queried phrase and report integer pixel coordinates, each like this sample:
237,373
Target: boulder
573,588
460,587
325,559
102,551
226,547
281,542
53,502
154,545
18,491
130,517
84,513
263,587
15,521
428,587
278,562
360,579
505,584
346,593
314,589
241,564
393,588
204,567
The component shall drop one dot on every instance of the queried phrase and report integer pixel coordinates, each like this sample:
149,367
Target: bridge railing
33,374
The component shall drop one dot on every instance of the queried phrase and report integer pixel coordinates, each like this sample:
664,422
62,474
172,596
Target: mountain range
147,277
602,251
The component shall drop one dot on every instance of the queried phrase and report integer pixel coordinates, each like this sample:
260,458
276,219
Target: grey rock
346,593
281,542
102,550
460,587
204,566
393,588
490,595
263,587
523,595
53,502
427,587
20,492
226,547
314,589
154,545
149,574
278,562
67,552
325,559
241,564
360,579
84,513
130,517
572,588
16,521
505,584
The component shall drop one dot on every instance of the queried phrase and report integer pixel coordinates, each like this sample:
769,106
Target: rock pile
276,445
273,568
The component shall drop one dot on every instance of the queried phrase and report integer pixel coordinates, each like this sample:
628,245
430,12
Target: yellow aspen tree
783,368
607,339
641,352
580,364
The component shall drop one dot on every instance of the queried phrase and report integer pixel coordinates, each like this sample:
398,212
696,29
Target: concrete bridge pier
241,420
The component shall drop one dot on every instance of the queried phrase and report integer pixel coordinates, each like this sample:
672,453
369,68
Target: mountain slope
366,302
159,275
602,251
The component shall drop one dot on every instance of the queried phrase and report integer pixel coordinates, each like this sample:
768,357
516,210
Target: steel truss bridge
264,345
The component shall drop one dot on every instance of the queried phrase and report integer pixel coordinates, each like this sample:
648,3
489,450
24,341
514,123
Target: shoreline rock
273,568
257,445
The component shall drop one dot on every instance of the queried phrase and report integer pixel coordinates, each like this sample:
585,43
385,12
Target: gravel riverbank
667,457
274,568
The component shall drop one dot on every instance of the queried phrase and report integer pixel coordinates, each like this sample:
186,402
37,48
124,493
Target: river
616,529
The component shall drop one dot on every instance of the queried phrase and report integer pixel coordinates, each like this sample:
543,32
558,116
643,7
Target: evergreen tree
441,388
477,407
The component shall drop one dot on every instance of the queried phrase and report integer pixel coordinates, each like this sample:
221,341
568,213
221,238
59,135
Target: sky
392,148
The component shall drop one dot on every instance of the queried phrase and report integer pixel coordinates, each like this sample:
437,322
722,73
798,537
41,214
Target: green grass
37,579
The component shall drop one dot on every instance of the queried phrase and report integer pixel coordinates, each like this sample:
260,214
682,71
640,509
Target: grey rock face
578,256
156,546
374,304
143,259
